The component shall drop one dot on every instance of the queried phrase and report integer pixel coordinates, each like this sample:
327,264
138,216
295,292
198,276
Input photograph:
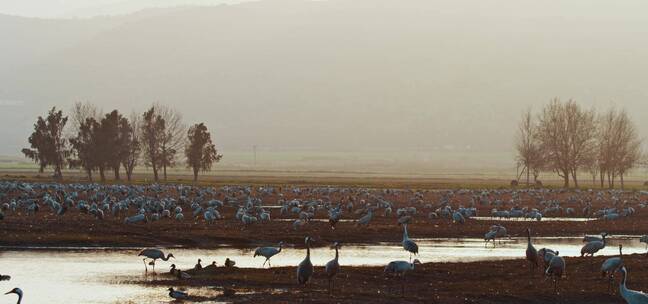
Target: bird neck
167,257
337,255
623,281
307,250
19,299
529,236
405,235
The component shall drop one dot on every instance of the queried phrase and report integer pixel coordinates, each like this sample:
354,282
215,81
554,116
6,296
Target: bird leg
264,263
145,267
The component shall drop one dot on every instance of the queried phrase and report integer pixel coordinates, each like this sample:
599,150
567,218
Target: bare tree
528,150
566,136
133,148
173,139
79,113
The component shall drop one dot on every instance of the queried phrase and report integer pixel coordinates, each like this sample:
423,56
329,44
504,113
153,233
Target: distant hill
332,74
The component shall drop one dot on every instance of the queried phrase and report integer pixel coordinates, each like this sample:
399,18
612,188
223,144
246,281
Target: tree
528,150
153,128
80,112
48,146
84,147
115,138
566,137
132,146
619,146
200,151
173,136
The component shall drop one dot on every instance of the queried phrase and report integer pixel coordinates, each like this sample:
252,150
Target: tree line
97,142
566,139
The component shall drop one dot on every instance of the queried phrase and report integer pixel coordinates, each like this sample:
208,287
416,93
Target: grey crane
531,253
333,267
305,268
18,292
401,268
153,254
594,246
555,270
629,295
409,244
610,267
268,252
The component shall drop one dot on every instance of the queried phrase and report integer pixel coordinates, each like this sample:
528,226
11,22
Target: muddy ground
507,281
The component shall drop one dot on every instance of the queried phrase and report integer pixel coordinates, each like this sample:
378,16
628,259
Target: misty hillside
335,75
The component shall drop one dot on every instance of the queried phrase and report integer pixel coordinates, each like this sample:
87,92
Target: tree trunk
528,173
621,178
155,172
116,170
164,166
565,177
575,178
89,172
602,177
102,174
195,172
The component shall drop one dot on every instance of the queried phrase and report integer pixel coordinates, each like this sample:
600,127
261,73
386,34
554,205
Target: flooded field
94,275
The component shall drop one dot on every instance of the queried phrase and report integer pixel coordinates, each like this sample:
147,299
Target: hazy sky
332,75
89,8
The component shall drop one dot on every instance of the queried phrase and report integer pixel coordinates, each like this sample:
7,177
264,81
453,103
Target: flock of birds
143,204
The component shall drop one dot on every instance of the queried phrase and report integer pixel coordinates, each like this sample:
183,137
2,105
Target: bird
198,265
401,268
5,277
365,219
556,269
408,244
594,246
333,267
305,268
629,295
531,252
229,263
268,252
179,273
17,291
610,267
176,294
153,254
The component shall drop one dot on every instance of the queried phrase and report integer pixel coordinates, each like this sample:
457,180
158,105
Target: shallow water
88,275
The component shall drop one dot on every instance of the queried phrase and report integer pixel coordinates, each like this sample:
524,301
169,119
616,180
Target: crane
305,268
153,254
268,252
401,268
409,244
333,267
18,292
610,266
531,253
629,295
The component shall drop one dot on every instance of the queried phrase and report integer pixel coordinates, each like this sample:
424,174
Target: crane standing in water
153,254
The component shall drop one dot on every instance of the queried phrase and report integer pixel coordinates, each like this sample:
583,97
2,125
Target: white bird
401,268
153,254
555,270
610,267
268,252
531,252
594,246
305,268
17,291
176,294
408,244
332,268
629,295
